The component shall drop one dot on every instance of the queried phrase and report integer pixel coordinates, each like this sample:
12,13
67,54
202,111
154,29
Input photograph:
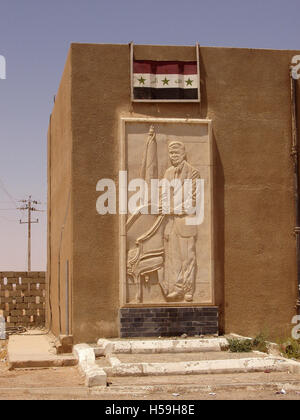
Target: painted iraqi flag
165,80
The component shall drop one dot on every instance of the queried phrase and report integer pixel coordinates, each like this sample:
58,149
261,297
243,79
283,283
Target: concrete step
64,344
36,350
41,361
172,357
186,357
151,346
200,366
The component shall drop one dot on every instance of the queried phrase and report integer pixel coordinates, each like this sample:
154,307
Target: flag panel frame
133,99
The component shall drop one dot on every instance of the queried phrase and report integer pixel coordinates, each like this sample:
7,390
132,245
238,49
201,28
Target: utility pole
29,206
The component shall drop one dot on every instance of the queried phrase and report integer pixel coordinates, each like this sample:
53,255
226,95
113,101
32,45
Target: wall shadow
219,234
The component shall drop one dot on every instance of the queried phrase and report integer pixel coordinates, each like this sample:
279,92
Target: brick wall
22,298
166,321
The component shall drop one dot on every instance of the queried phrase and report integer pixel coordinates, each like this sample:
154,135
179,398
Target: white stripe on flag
147,80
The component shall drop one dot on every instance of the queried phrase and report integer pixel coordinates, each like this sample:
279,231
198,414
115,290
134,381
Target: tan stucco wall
60,202
246,94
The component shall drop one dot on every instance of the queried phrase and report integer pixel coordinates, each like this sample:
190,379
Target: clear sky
34,38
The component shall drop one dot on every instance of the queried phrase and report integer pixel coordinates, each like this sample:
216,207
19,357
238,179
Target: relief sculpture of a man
179,237
168,248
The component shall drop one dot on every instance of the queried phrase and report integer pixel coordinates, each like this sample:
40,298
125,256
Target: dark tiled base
168,322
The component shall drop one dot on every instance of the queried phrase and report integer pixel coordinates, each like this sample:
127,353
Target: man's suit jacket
183,172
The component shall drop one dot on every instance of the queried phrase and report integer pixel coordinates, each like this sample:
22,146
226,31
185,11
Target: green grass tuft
291,348
239,345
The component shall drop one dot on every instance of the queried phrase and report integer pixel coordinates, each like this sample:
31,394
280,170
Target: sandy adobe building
245,109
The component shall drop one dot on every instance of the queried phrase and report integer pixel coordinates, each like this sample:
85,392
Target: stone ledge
106,347
23,362
35,350
247,365
94,375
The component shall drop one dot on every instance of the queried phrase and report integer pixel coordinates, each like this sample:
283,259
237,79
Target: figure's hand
151,134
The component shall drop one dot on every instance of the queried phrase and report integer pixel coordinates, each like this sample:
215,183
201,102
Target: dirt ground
3,346
68,384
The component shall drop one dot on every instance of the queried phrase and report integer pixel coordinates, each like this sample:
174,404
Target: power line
2,186
29,207
11,198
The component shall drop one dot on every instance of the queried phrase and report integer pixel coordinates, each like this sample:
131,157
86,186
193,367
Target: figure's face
177,155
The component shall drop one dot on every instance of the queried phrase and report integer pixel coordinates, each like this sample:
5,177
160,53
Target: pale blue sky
35,36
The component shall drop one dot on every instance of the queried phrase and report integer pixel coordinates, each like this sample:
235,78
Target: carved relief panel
166,237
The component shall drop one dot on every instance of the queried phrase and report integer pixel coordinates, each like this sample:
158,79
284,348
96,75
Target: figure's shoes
175,296
188,298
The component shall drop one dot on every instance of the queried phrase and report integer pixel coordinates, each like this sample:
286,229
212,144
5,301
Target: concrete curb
41,362
105,347
94,375
248,365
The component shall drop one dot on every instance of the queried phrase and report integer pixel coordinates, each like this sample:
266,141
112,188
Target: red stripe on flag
165,67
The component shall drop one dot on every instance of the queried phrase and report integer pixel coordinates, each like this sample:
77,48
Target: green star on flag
171,81
142,80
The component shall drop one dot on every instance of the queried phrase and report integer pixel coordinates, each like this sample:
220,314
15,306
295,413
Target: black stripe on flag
164,93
